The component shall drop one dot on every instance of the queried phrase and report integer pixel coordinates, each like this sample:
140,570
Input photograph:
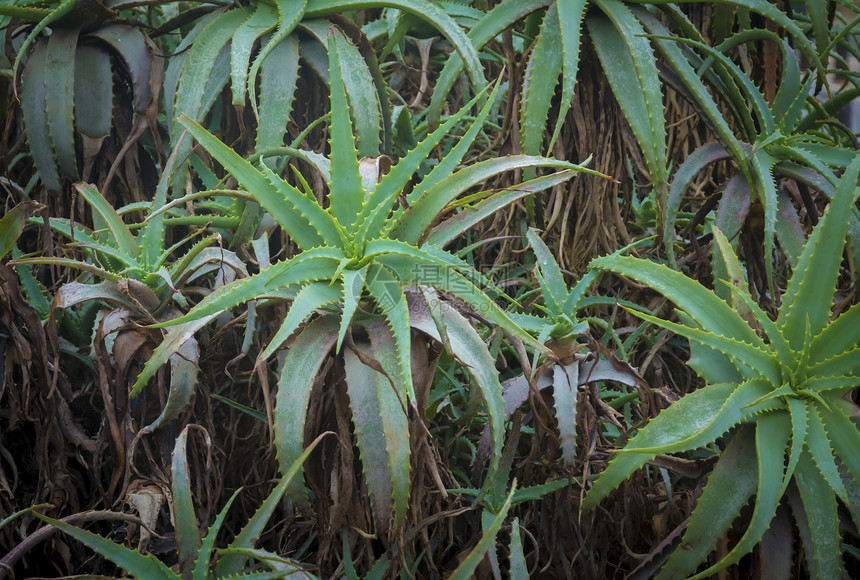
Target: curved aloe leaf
290,12
185,521
33,110
810,289
465,570
729,488
772,433
622,49
136,564
381,426
701,304
263,19
300,368
683,419
502,16
293,222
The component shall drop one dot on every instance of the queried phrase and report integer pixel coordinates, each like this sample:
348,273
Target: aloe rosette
780,388
358,258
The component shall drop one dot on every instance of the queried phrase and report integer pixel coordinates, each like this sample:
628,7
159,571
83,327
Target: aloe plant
777,390
772,140
141,279
363,241
196,553
67,85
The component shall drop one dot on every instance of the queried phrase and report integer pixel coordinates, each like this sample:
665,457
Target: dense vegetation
356,289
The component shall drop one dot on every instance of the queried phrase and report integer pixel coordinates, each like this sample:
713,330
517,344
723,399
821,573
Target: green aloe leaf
542,71
311,297
447,231
502,16
619,40
33,110
119,231
701,304
818,446
741,405
729,487
353,286
293,222
278,76
262,19
142,61
201,565
387,291
346,194
417,219
60,97
773,431
680,421
185,521
467,346
557,289
290,12
565,389
820,506
570,15
93,88
465,570
743,355
810,290
248,536
375,211
381,426
136,564
301,366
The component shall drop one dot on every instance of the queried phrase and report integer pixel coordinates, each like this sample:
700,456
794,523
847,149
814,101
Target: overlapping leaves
362,249
785,395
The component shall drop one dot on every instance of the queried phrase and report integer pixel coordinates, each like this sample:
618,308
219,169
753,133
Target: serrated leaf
387,291
201,565
565,391
820,506
138,565
33,110
772,433
469,349
423,210
185,521
542,71
290,12
300,368
680,421
256,183
502,16
60,97
443,234
701,304
262,19
314,295
622,49
346,195
810,290
729,487
570,15
278,76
